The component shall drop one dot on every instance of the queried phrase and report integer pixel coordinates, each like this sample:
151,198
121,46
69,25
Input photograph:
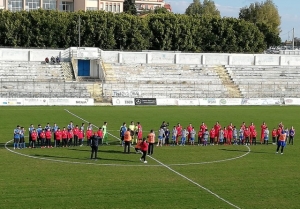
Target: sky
289,10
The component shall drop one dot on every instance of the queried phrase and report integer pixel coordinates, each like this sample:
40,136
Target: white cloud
228,11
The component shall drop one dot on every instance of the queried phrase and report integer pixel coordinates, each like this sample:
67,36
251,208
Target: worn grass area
66,178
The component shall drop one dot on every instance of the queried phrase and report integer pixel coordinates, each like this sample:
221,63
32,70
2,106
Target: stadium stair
109,72
67,71
95,90
232,88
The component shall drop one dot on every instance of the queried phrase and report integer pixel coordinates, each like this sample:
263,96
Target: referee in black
94,146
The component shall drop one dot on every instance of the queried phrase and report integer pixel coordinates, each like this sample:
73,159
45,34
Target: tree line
193,32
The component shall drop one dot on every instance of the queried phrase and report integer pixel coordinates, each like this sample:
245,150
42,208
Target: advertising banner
208,101
3,101
188,102
166,101
261,101
145,101
35,101
292,101
122,101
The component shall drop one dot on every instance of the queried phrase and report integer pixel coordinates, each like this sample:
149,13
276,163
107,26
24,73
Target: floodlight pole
293,40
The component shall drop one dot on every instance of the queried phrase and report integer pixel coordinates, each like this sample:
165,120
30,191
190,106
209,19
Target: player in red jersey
253,135
243,126
225,131
48,138
203,127
89,134
217,128
80,136
274,136
34,136
262,133
212,136
251,129
200,137
100,135
179,131
58,137
43,138
70,137
64,136
229,133
247,136
189,130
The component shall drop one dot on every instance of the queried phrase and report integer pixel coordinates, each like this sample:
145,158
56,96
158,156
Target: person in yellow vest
132,127
281,141
127,140
151,141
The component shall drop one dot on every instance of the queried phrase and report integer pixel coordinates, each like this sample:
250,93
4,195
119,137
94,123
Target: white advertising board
188,102
46,101
208,101
70,101
35,101
122,101
261,101
166,102
292,101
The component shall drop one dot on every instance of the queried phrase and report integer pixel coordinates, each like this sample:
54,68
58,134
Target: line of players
71,135
246,135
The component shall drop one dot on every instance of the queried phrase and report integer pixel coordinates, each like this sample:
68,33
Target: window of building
118,8
49,4
110,8
106,7
114,8
67,6
32,5
15,5
92,8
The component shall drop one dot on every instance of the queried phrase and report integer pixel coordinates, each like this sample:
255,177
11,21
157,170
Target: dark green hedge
169,31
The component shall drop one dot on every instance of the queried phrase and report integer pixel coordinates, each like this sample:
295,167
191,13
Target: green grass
68,179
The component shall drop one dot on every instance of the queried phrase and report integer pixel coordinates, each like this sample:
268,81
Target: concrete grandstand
93,73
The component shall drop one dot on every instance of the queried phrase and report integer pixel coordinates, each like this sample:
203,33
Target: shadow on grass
100,150
235,150
87,158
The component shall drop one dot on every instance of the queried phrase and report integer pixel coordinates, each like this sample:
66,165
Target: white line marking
190,180
216,161
202,187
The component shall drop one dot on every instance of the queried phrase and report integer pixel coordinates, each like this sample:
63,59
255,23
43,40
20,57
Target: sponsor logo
4,103
118,101
138,101
223,101
128,102
289,101
211,101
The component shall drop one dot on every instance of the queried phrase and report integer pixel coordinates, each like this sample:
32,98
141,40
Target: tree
207,8
194,8
160,10
129,7
264,13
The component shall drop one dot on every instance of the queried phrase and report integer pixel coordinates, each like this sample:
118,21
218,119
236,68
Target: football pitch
224,176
